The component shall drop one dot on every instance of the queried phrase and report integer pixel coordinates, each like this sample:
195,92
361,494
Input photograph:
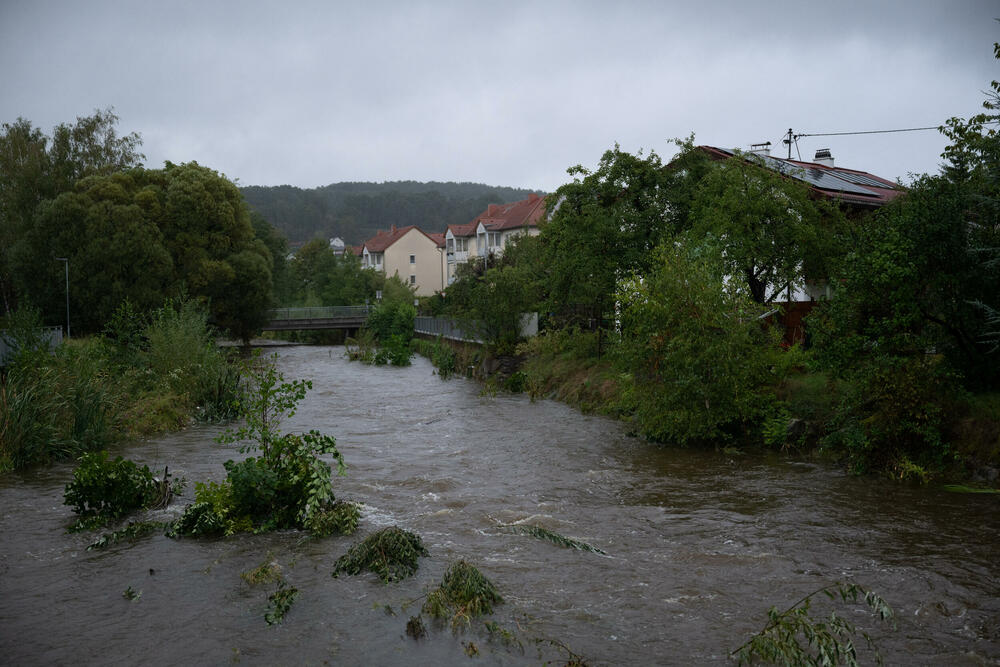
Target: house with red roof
491,231
856,192
409,253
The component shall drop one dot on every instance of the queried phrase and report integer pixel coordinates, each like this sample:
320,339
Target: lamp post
65,261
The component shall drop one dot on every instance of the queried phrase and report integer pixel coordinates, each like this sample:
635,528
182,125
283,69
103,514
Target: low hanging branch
827,641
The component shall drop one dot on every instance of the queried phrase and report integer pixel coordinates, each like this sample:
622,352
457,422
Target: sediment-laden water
698,544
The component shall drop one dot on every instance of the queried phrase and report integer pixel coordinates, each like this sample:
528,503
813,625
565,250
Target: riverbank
807,417
141,379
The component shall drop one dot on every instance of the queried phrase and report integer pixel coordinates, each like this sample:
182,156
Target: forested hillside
356,211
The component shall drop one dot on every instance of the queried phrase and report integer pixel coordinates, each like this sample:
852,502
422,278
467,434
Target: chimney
392,230
823,157
761,149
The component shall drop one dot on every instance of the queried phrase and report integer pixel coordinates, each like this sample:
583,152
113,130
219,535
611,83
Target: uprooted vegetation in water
465,593
390,553
548,536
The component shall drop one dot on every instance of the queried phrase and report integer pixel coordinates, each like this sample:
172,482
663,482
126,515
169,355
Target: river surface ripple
699,544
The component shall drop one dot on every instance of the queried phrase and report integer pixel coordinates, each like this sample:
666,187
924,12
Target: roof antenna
789,138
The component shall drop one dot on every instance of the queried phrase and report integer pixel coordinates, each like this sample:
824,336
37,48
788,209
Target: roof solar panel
862,179
821,178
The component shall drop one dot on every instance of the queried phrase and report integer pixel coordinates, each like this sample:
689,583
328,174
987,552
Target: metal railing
319,312
437,326
51,335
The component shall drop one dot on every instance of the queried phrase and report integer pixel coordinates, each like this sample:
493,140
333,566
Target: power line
840,134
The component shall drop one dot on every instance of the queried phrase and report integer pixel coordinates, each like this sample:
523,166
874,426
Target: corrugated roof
845,185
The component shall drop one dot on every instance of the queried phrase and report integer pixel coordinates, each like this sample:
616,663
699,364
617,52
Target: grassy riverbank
145,375
807,410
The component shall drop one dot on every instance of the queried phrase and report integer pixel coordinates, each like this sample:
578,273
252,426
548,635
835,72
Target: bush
391,553
287,485
464,594
103,491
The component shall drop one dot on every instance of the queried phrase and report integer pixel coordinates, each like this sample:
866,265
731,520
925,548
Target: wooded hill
356,211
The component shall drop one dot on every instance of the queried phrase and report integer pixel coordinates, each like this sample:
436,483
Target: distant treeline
356,211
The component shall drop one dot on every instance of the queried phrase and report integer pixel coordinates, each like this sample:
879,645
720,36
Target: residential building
491,231
856,192
410,253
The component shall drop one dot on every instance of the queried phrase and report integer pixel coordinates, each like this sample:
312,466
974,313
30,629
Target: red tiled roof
468,229
524,213
498,217
438,239
384,239
844,185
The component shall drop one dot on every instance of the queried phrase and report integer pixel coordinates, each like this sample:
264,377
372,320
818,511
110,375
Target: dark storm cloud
503,93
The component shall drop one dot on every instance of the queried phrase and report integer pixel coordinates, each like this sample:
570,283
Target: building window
413,259
413,279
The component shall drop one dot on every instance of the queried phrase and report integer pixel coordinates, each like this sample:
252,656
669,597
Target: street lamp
65,260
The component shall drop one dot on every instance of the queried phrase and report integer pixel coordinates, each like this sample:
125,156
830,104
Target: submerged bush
465,593
287,485
391,553
103,490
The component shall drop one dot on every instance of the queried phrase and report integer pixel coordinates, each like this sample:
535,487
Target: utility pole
790,138
65,261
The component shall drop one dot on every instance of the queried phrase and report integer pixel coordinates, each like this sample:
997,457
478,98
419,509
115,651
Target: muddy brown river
698,545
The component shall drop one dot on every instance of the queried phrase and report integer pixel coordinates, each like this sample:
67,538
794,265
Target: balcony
458,256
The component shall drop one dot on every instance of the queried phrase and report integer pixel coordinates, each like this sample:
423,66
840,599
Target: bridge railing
319,312
437,326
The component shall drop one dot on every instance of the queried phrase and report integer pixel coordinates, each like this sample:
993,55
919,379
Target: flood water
698,545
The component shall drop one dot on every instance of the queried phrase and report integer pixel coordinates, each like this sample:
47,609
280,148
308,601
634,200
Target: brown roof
383,239
843,185
438,239
498,217
468,229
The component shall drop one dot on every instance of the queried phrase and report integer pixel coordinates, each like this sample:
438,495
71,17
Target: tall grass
92,392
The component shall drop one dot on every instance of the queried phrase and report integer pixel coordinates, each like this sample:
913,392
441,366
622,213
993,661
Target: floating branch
554,538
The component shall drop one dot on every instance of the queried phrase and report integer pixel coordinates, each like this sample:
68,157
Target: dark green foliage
701,365
287,486
415,627
391,553
386,336
341,518
392,320
465,593
280,602
794,637
135,530
549,536
105,490
766,227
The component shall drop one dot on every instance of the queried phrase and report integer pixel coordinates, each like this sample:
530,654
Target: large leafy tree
143,235
603,225
767,227
35,168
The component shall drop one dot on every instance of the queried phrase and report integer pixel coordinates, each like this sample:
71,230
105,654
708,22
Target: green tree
35,168
701,364
767,228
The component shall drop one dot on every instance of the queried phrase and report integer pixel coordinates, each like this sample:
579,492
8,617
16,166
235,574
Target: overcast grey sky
504,93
